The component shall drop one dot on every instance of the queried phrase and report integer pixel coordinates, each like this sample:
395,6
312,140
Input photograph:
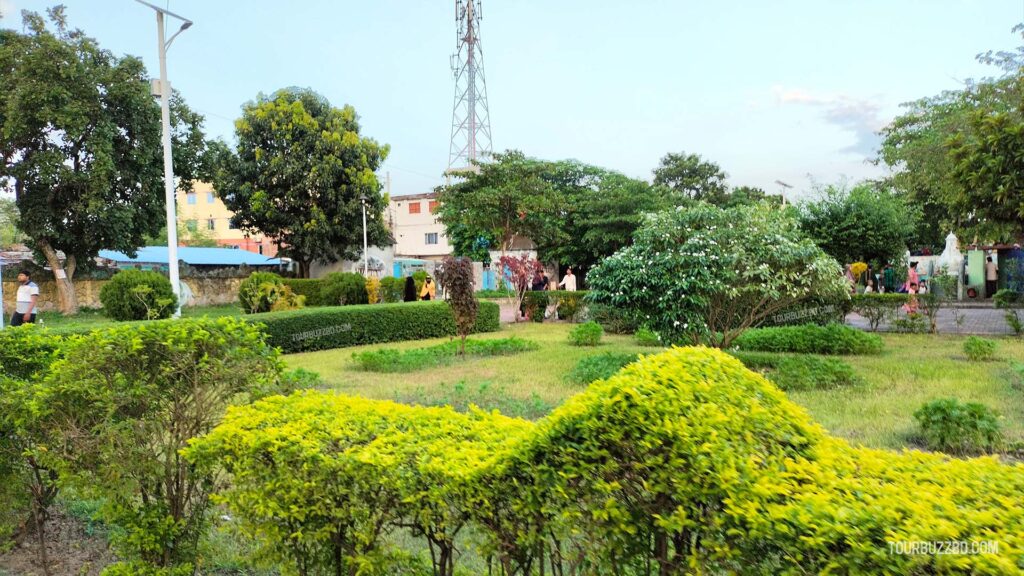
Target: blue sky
790,89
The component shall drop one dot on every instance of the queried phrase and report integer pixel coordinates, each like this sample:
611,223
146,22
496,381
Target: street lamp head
186,25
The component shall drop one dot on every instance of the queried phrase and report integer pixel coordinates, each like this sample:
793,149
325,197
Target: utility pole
784,188
165,117
471,123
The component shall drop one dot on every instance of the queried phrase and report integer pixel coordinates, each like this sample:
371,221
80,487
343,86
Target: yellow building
201,210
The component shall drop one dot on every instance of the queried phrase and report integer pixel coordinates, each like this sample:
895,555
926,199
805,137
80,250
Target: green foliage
267,292
692,178
297,175
948,425
392,360
122,403
586,334
862,224
81,145
27,351
685,446
309,288
338,327
420,277
535,303
507,196
614,320
343,288
138,295
800,371
362,467
706,274
1011,302
492,294
599,367
468,397
9,232
456,279
978,349
910,324
391,289
877,308
647,337
835,339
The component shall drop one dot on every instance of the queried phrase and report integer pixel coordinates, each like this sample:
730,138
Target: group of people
427,292
541,282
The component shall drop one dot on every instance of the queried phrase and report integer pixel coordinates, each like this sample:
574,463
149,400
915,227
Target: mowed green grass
912,370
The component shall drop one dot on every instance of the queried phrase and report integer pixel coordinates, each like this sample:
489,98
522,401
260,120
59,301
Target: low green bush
535,303
392,360
308,288
138,295
644,336
800,371
391,289
467,397
833,339
341,326
613,320
493,294
344,289
978,349
877,308
910,324
266,292
950,426
1011,302
599,367
27,351
586,334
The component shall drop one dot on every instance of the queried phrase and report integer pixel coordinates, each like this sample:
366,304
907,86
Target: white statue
951,259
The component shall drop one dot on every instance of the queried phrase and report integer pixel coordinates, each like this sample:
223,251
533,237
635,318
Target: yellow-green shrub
317,477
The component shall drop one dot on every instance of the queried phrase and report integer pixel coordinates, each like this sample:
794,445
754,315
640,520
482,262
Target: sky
790,90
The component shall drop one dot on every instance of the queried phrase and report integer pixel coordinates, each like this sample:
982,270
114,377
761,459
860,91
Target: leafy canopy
705,274
298,174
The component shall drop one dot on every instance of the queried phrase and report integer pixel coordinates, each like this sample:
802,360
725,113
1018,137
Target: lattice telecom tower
471,122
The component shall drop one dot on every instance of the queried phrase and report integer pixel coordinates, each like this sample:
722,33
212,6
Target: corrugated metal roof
193,256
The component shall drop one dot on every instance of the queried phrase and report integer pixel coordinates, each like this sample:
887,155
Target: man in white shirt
25,305
568,281
991,276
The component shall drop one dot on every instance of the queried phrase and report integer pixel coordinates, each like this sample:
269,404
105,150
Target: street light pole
165,117
366,255
784,188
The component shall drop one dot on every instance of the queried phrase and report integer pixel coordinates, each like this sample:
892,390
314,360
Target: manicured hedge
569,304
810,339
341,326
800,371
308,287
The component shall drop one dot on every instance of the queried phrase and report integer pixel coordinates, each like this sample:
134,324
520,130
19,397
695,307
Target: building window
211,224
192,225
190,197
433,206
209,198
414,207
231,224
431,237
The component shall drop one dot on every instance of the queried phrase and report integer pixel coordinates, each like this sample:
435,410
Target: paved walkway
976,321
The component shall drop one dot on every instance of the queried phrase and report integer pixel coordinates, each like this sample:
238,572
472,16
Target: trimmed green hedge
834,339
341,326
308,287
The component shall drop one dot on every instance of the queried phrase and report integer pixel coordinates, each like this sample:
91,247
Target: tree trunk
303,268
68,301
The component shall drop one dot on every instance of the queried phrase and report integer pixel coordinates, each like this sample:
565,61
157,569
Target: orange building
202,211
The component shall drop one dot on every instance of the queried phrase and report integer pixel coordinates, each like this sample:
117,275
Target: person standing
912,277
410,289
25,307
991,277
888,279
568,281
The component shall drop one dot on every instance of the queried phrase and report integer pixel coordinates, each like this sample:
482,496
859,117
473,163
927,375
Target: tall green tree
298,174
692,177
861,224
9,232
510,196
80,146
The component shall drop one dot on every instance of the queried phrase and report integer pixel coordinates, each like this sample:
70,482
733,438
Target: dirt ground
71,549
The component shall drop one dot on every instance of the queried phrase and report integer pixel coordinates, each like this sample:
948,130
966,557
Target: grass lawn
912,370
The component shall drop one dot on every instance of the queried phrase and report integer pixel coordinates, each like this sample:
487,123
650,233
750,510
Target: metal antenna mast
471,122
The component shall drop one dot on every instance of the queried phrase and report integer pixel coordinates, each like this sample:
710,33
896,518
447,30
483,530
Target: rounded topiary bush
948,425
586,334
138,295
344,288
267,292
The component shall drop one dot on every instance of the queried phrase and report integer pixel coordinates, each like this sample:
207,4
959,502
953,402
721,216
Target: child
911,306
923,288
870,287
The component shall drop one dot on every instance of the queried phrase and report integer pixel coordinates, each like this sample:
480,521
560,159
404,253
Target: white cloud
860,116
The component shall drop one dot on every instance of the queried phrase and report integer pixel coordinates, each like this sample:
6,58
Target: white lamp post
366,255
165,116
784,188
